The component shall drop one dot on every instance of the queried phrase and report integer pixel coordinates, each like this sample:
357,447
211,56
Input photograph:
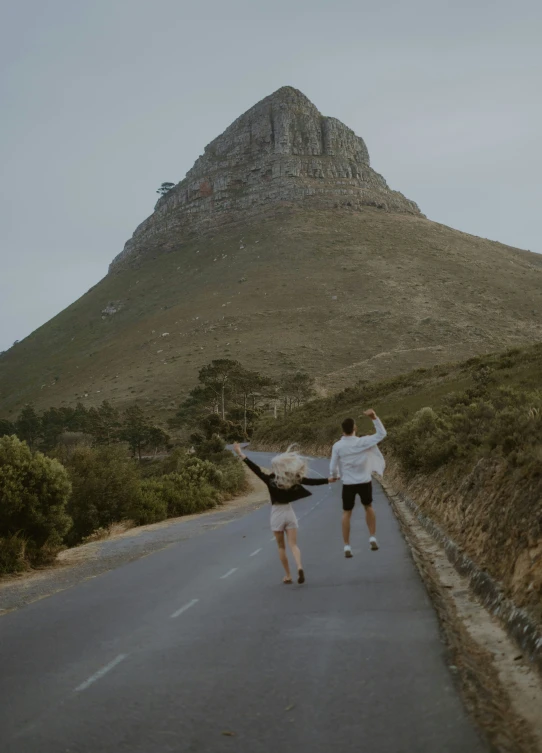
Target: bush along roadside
465,443
34,492
48,503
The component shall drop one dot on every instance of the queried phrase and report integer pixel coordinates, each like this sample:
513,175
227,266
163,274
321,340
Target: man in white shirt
355,459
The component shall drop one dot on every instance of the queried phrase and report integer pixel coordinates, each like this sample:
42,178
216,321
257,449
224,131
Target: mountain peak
280,151
286,96
289,93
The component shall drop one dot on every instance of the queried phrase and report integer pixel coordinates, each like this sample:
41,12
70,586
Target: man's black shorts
350,491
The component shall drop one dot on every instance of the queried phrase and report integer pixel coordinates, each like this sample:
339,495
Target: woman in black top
285,486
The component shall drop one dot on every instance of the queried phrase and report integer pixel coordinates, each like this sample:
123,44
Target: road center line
230,572
254,553
101,672
183,609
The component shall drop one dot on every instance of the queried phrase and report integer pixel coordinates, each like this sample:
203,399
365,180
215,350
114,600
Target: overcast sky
102,100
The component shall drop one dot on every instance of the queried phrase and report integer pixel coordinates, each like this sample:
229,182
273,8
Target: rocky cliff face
281,151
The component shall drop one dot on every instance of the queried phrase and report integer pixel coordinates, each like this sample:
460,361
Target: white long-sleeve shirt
355,459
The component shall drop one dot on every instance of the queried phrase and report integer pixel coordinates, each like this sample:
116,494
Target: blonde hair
289,468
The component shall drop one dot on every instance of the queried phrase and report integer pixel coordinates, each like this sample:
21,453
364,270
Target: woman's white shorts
283,517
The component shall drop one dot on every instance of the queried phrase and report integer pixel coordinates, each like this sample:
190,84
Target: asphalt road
173,650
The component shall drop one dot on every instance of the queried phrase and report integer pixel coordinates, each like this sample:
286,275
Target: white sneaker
373,543
347,551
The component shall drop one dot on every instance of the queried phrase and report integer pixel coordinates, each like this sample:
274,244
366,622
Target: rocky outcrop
281,151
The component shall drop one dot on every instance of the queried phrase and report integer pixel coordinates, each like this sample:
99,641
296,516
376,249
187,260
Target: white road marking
101,672
230,572
255,553
183,609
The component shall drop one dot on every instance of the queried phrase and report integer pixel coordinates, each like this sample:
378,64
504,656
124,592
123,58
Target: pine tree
135,429
104,423
165,188
219,376
28,426
6,427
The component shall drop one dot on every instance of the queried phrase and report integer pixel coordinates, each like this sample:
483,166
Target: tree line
228,400
104,425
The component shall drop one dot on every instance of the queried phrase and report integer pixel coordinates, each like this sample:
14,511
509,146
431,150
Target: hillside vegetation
340,295
465,441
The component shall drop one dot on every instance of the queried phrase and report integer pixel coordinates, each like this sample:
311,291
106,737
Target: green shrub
12,555
173,461
424,443
210,464
506,422
231,431
149,506
187,482
34,490
151,467
105,485
212,449
234,479
231,477
193,486
183,493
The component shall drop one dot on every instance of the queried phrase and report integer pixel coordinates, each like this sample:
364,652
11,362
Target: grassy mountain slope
343,295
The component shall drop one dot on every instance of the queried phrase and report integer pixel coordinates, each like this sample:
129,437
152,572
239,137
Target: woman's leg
279,535
292,541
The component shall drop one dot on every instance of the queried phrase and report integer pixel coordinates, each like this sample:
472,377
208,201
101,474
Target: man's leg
366,496
370,519
349,498
347,514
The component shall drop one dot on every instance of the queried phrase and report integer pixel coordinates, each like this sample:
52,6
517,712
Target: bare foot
287,579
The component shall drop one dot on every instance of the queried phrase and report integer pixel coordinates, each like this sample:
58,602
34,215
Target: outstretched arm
314,481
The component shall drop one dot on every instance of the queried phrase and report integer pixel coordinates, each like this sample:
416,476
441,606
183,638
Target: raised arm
253,466
378,436
256,469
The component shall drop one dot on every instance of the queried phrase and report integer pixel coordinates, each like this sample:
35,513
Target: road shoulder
92,559
500,688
